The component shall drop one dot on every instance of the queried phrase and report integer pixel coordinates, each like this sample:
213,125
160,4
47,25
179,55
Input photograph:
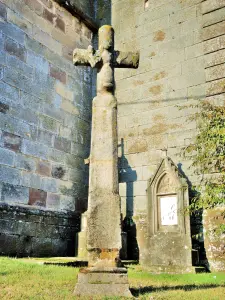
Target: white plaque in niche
168,206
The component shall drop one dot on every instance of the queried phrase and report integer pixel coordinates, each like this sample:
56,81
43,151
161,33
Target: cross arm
83,57
126,59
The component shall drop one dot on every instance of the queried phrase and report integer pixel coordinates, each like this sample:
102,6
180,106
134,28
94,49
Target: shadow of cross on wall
128,176
130,249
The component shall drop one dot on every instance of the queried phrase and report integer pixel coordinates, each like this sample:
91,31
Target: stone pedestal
105,281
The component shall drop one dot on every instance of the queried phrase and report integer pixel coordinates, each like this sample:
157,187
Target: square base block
102,282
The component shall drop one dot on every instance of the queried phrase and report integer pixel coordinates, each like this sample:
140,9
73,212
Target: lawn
31,280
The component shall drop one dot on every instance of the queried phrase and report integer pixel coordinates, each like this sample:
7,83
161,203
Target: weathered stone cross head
105,58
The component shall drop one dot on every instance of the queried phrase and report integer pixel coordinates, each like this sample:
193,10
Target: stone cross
103,216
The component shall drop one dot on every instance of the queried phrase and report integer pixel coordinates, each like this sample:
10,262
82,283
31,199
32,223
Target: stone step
87,289
102,282
102,278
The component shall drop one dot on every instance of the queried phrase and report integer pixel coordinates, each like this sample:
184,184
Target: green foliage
208,155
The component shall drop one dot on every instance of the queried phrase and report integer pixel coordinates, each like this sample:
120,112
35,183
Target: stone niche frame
168,246
167,181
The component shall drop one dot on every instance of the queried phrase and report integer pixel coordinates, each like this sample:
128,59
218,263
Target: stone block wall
181,46
86,6
98,10
45,109
171,73
33,232
103,12
213,37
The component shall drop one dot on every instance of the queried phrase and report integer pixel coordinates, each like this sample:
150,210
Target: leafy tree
208,155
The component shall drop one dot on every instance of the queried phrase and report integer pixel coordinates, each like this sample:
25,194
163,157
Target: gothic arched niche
167,197
169,237
166,184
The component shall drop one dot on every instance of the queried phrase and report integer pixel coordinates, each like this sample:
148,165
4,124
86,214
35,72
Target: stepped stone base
102,282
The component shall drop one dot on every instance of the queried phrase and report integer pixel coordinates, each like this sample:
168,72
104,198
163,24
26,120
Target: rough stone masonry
45,113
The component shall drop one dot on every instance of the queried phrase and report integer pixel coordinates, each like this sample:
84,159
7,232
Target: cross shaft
103,216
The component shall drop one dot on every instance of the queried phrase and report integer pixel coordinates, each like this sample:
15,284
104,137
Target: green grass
29,280
49,259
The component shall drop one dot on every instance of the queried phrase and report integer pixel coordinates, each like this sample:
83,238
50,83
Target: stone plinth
105,281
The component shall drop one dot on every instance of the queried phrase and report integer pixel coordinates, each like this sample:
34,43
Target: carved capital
88,57
126,59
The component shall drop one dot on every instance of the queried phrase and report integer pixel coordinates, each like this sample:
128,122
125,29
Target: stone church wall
38,233
181,47
45,113
213,37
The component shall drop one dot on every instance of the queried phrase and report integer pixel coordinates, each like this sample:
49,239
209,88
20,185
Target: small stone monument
169,238
104,276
